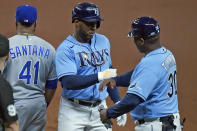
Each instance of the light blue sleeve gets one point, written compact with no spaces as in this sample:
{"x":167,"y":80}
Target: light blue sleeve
{"x":109,"y":48}
{"x":143,"y":81}
{"x":65,"y":62}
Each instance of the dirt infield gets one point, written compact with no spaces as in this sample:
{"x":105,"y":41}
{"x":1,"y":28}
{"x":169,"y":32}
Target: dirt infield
{"x":177,"y":20}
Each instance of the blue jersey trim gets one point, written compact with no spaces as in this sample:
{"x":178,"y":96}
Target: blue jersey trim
{"x":52,"y":84}
{"x":65,"y":74}
{"x":136,"y":93}
{"x":52,"y":79}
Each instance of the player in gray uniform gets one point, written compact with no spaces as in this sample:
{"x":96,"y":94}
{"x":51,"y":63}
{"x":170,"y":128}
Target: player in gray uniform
{"x":30,"y":71}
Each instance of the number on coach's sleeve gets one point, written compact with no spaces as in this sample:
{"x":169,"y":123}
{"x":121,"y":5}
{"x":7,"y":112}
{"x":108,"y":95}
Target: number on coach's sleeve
{"x":11,"y":110}
{"x":173,"y":83}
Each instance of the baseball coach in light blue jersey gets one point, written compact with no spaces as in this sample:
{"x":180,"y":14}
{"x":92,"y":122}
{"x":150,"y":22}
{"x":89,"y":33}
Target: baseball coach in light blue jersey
{"x":152,"y":88}
{"x":83,"y":60}
{"x":30,"y":71}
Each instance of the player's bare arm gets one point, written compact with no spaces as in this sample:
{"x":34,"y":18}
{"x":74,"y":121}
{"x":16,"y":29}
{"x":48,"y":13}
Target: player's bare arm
{"x":12,"y":126}
{"x":50,"y":89}
{"x":49,"y":95}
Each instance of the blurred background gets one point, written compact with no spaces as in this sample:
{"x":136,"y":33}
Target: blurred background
{"x":176,"y":18}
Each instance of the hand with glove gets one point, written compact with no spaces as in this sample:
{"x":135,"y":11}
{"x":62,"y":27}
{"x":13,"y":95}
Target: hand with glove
{"x":106,"y":74}
{"x":107,"y":122}
{"x":121,"y":120}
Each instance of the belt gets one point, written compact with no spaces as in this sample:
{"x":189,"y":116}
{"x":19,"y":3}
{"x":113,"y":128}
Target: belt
{"x":161,"y":119}
{"x":85,"y":103}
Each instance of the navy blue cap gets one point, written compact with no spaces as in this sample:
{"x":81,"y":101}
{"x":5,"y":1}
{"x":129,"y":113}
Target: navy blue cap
{"x":87,"y":12}
{"x":26,"y":14}
{"x":144,"y":27}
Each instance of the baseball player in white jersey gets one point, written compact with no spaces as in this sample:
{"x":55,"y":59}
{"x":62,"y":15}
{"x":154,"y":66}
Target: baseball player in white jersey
{"x":30,"y":71}
{"x":152,"y":94}
{"x":82,"y":61}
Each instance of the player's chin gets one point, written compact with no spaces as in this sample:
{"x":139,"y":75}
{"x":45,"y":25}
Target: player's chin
{"x":89,"y":36}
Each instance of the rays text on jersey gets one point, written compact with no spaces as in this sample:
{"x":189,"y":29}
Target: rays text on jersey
{"x":95,"y":58}
{"x":25,"y":50}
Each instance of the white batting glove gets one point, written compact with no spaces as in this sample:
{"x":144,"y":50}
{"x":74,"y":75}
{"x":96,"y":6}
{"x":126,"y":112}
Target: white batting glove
{"x":106,"y":74}
{"x":121,"y":120}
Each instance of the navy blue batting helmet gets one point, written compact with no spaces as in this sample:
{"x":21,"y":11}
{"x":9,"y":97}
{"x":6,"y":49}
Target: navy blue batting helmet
{"x":86,"y":11}
{"x":144,"y":27}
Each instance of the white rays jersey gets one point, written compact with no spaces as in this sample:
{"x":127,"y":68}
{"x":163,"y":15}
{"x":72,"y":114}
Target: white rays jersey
{"x":29,"y":66}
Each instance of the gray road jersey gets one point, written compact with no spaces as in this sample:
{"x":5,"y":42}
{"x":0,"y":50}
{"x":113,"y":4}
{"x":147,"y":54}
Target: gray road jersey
{"x":29,"y":66}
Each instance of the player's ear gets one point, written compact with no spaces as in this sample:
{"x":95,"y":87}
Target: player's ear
{"x":34,"y":26}
{"x":141,"y":41}
{"x":76,"y":22}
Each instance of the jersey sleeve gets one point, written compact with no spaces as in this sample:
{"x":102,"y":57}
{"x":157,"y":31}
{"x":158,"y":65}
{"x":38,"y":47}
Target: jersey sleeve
{"x":65,"y":62}
{"x":7,"y":107}
{"x":142,"y":82}
{"x":52,"y":72}
{"x":109,"y":49}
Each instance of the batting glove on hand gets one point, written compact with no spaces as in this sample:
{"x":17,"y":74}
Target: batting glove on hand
{"x":106,"y":74}
{"x":121,"y":120}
